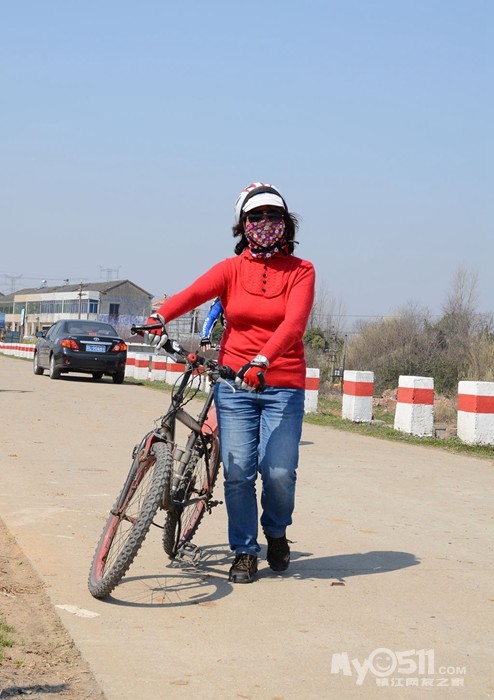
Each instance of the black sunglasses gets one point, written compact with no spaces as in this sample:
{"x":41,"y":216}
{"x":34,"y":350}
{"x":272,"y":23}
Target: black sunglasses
{"x":256,"y":216}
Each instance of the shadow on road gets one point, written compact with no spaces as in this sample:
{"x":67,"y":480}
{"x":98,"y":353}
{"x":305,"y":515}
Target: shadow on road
{"x":205,"y":581}
{"x":15,"y":691}
{"x":18,"y":391}
{"x":190,"y":582}
{"x":343,"y":566}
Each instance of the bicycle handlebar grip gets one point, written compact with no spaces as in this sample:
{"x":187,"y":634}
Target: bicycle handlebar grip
{"x":227,"y":372}
{"x":134,"y":330}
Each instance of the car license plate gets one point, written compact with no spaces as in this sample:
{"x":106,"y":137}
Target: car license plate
{"x":95,"y":348}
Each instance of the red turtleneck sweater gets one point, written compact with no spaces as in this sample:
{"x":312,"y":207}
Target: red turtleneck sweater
{"x":267,"y":303}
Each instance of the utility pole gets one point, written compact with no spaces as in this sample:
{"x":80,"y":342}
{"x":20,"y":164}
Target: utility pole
{"x":333,"y":352}
{"x":80,"y":299}
{"x":343,"y":361}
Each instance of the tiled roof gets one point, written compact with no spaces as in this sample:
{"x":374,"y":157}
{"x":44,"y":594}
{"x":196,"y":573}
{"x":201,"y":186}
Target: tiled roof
{"x":86,"y":286}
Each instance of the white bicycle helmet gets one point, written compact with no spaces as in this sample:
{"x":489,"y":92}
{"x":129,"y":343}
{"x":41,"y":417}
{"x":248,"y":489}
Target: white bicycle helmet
{"x":258,"y":194}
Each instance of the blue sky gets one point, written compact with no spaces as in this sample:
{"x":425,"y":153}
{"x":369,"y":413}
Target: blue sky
{"x":128,"y":129}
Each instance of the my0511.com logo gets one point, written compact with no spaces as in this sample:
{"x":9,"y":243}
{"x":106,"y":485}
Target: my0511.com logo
{"x":414,"y":667}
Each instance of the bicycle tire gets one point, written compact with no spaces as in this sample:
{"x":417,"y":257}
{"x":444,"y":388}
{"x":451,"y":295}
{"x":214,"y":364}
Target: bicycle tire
{"x":181,"y":523}
{"x":146,"y":489}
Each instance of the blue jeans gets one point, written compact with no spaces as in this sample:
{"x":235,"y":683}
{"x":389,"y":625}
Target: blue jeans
{"x":259,"y":433}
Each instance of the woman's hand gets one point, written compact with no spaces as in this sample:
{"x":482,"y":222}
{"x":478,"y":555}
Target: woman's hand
{"x":155,"y":319}
{"x":250,"y":377}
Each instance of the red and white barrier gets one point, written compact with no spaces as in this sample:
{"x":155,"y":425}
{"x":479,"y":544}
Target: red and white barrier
{"x":18,"y":350}
{"x":311,"y":390}
{"x":415,"y":406}
{"x":162,"y":368}
{"x":148,"y":366}
{"x":130,"y":364}
{"x":173,"y":371}
{"x":158,"y":368}
{"x":358,"y":390}
{"x":142,"y":364}
{"x":476,"y":413}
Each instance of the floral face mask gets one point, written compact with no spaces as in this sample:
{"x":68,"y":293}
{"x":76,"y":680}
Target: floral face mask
{"x":265,"y":237}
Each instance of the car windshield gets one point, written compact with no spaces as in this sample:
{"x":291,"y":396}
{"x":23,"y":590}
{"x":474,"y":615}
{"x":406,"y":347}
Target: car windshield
{"x":102,"y":329}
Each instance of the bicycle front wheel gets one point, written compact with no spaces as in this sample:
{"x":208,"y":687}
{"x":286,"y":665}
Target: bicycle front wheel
{"x":184,"y":516}
{"x":146,"y":489}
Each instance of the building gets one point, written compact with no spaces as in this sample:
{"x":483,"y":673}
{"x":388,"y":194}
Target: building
{"x":119,"y":302}
{"x":185,"y":327}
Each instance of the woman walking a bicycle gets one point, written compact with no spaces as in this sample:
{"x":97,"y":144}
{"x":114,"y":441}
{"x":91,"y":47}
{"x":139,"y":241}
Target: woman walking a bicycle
{"x":267,"y":295}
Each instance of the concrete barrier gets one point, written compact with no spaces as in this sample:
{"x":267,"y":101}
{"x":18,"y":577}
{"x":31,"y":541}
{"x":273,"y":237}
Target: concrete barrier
{"x":476,"y":413}
{"x":358,"y":390}
{"x":311,"y":389}
{"x":173,"y":371}
{"x":158,"y":368}
{"x":164,"y":369}
{"x":147,"y":366}
{"x":130,"y":364}
{"x":414,"y":412}
{"x":142,"y":364}
{"x":18,"y":350}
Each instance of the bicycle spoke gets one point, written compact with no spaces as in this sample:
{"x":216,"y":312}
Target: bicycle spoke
{"x":130,"y":519}
{"x":184,"y":517}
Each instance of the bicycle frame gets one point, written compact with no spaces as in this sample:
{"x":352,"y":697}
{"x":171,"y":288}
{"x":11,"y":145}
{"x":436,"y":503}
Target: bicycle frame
{"x":202,"y":427}
{"x":206,"y":425}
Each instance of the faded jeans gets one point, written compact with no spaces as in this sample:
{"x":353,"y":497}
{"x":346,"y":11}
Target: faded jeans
{"x":259,"y":433}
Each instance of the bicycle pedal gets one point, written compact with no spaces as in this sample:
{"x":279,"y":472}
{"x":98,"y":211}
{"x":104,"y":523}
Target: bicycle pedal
{"x":188,"y":554}
{"x":212,"y":504}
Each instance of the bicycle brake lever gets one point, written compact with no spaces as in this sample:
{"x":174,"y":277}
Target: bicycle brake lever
{"x":230,"y":386}
{"x":163,"y":339}
{"x":262,"y":382}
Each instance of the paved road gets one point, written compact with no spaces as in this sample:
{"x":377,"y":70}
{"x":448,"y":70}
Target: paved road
{"x":392,"y":553}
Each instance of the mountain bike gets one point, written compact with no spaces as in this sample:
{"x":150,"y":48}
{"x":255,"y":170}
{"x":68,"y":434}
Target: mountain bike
{"x":164,"y":475}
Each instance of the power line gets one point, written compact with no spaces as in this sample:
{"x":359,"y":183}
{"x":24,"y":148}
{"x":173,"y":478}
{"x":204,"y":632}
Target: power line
{"x":39,"y":279}
{"x":109,"y":272}
{"x":12,"y":279}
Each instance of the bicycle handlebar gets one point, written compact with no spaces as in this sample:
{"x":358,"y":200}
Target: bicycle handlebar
{"x":135,"y":330}
{"x":173,"y":347}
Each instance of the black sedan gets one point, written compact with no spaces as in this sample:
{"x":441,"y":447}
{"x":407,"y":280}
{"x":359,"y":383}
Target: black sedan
{"x":90,"y":347}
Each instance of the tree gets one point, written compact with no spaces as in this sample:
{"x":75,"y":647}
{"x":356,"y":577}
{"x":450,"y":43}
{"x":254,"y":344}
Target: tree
{"x":457,"y":331}
{"x":460,"y":345}
{"x":328,"y":313}
{"x":393,"y":346}
{"x":314,"y":338}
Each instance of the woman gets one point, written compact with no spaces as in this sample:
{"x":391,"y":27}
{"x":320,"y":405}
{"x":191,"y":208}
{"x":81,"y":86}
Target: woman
{"x":267,"y":294}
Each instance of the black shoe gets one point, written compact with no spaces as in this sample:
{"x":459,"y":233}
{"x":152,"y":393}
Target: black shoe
{"x":278,"y":555}
{"x":244,"y":569}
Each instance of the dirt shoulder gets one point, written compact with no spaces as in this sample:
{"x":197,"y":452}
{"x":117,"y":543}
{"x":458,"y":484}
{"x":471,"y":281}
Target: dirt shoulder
{"x":43,"y":659}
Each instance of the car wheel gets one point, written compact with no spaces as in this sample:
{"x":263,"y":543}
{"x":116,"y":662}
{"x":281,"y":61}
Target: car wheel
{"x":118,"y":377}
{"x":54,"y":371}
{"x":97,"y":375}
{"x":36,"y":368}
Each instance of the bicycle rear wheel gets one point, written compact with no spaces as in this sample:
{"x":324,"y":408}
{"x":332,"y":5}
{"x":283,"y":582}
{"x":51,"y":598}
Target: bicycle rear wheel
{"x":184,"y":516}
{"x":146,"y":489}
